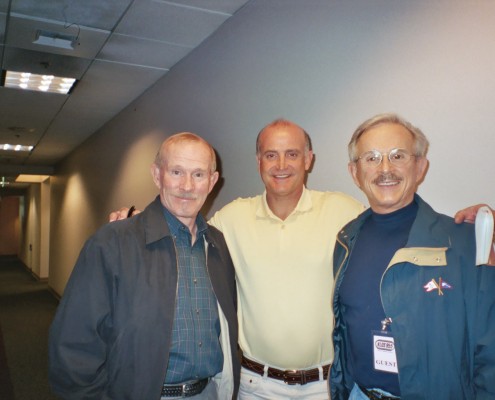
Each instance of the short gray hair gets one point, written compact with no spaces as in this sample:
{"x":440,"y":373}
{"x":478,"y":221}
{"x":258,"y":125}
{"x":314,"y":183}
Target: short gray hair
{"x":421,"y":143}
{"x":185,"y":137}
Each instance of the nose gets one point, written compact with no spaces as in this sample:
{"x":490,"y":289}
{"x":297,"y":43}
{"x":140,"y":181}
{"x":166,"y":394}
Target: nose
{"x":187,"y":183}
{"x":385,"y":164}
{"x":281,"y":162}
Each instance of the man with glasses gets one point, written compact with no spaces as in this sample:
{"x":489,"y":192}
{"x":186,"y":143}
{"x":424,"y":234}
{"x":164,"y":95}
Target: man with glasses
{"x":414,"y":316}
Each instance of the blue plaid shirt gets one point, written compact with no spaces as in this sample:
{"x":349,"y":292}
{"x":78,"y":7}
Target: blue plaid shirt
{"x":195,"y":351}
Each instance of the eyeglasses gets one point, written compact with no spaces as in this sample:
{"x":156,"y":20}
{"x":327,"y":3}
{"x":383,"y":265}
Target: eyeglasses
{"x":373,"y":158}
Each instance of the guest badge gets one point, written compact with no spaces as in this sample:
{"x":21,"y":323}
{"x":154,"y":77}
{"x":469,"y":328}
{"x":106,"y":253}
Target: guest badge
{"x":384,"y":356}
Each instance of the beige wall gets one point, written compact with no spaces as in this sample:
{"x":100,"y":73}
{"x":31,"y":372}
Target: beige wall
{"x":327,"y":65}
{"x":9,"y":225}
{"x":35,"y":229}
{"x":30,"y":250}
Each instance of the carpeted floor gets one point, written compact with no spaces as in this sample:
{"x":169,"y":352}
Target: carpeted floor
{"x":26,"y":311}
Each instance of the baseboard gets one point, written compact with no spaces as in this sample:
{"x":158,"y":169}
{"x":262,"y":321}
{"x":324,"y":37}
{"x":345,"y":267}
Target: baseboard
{"x":54,"y":293}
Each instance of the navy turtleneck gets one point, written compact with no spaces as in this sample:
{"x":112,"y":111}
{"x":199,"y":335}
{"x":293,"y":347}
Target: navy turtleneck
{"x":380,"y":237}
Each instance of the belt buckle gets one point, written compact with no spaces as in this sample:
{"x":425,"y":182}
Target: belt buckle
{"x":188,"y":389}
{"x":296,"y":374}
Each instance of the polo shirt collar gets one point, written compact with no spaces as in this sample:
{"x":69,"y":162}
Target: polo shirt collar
{"x":304,"y":204}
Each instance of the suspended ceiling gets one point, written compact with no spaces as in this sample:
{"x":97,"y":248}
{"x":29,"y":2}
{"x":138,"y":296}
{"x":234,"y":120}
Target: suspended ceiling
{"x":120,"y":48}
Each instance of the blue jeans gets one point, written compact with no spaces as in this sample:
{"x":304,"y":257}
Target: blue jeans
{"x":357,"y":394}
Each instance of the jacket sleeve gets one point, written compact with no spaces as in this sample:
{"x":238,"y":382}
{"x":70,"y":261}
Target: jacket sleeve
{"x":484,"y":357}
{"x":80,"y":331}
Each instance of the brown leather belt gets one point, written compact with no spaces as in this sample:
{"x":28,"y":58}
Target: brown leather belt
{"x":187,"y":389}
{"x":291,"y":377}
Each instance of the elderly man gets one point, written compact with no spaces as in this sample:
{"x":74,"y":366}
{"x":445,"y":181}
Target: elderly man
{"x":149,"y":311}
{"x":415,"y":318}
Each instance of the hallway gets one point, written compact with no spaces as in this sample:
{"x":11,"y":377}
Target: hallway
{"x":26,"y":311}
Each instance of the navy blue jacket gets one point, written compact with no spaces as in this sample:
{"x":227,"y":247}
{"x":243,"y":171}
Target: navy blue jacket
{"x":444,"y":339}
{"x":111,"y":335}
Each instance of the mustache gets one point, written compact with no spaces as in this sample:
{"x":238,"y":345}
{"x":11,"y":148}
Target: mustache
{"x":186,"y":195}
{"x":385,"y":177}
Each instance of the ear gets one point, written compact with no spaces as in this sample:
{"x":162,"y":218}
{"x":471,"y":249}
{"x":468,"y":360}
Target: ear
{"x":352,"y":167}
{"x":155,"y":174}
{"x":308,"y":159}
{"x":213,"y":180}
{"x":421,"y":169}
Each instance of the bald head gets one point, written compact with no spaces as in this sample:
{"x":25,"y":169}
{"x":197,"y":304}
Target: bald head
{"x":282,"y":123}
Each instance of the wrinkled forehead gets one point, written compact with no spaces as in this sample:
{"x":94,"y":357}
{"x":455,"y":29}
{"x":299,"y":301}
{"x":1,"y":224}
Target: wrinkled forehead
{"x":187,"y":154}
{"x":385,"y":137}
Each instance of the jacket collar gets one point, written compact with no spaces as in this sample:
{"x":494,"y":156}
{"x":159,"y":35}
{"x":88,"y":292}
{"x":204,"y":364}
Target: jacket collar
{"x":155,"y":224}
{"x":421,"y":248}
{"x":156,"y":227}
{"x":426,"y":221}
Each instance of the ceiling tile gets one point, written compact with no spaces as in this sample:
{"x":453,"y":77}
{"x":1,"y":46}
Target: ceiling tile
{"x":21,"y":108}
{"x":146,"y":52}
{"x":113,"y":86}
{"x":169,"y":23}
{"x":91,"y":13}
{"x":3,"y":18}
{"x":4,"y":5}
{"x":224,"y":6}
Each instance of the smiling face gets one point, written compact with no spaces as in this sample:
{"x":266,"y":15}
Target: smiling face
{"x":184,"y":177}
{"x":283,"y":159}
{"x":388,"y":187}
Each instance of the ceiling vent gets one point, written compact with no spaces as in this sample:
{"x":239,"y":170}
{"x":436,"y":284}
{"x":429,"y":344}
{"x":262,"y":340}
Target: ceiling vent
{"x":55,"y":39}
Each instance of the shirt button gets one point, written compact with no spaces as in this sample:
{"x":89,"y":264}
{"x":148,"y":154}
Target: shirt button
{"x":197,"y":311}
{"x":200,"y":344}
{"x":195,"y":281}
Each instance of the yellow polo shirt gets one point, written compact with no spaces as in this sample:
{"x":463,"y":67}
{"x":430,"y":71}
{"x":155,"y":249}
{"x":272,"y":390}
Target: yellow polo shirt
{"x":284,"y":275}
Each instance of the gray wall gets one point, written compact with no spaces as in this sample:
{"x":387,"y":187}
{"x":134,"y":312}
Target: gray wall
{"x":327,"y":65}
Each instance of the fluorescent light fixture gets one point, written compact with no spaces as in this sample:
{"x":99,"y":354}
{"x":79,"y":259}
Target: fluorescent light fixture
{"x":15,"y":147}
{"x":55,"y":39}
{"x":40,"y":83}
{"x":31,"y":178}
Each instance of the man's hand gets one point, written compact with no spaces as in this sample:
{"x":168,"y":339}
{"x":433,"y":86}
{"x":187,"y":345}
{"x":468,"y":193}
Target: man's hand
{"x":123,"y":213}
{"x":469,"y":215}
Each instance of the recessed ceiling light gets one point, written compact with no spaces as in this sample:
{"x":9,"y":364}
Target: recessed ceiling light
{"x":40,"y":83}
{"x":31,"y":178}
{"x":15,"y":147}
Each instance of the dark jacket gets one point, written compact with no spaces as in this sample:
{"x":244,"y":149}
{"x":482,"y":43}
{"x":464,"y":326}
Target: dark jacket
{"x":111,"y":335}
{"x":444,"y":340}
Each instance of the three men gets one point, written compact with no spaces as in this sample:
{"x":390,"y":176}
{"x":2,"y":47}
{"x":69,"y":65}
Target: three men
{"x":415,"y":318}
{"x":149,"y":311}
{"x":281,"y":243}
